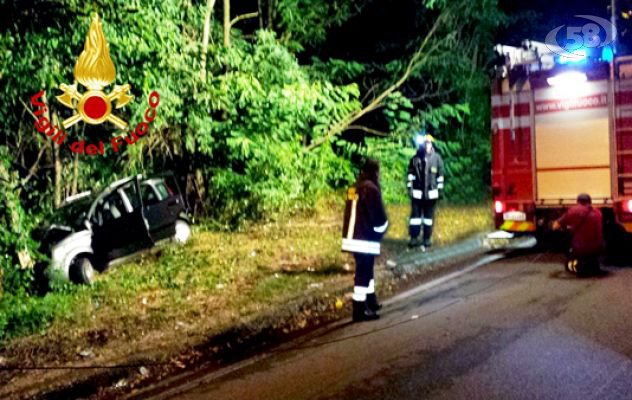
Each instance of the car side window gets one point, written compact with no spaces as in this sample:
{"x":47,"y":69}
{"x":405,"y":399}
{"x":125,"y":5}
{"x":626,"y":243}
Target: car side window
{"x":108,"y":209}
{"x":132,"y":195}
{"x":163,"y":191}
{"x":149,"y":195}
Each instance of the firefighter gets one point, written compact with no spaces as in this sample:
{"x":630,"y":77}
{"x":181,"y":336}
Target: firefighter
{"x":365,"y":223}
{"x":425,"y":181}
{"x":585,"y":225}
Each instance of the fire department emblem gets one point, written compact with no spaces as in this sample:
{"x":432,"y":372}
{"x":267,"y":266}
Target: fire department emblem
{"x":95,"y":70}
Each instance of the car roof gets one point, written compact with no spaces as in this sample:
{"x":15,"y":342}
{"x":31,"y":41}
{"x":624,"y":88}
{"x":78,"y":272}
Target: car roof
{"x":76,"y":197}
{"x":153,"y":181}
{"x":116,"y":184}
{"x":121,"y":182}
{"x":107,"y":191}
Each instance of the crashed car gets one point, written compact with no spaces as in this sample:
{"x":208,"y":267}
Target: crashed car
{"x":93,"y":232}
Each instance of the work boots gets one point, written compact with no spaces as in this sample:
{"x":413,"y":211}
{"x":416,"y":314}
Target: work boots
{"x":372,"y":303}
{"x":414,"y":243}
{"x":427,"y":236}
{"x":361,"y":312}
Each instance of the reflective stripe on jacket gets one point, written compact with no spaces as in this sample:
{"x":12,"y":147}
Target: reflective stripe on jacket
{"x":425,"y":175}
{"x":365,"y":220}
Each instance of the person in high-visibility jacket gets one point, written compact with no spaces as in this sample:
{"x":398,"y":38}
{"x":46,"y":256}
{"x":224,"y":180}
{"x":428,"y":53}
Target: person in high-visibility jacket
{"x":365,"y":223}
{"x":425,"y":182}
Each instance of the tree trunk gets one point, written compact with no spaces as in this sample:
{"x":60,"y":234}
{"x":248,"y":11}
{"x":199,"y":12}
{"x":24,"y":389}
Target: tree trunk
{"x":271,"y":13}
{"x":75,"y":175}
{"x":57,"y":180}
{"x":75,"y":167}
{"x":226,"y":23}
{"x":210,"y":4}
{"x":260,"y":11}
{"x":200,"y":191}
{"x":58,"y":167}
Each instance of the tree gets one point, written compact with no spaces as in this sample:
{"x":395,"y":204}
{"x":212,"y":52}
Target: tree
{"x":210,"y":4}
{"x":227,"y":23}
{"x":416,"y":61}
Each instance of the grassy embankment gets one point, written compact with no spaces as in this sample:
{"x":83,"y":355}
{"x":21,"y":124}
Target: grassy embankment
{"x":205,"y":286}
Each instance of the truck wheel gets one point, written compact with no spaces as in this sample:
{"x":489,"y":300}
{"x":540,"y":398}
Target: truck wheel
{"x":183,"y":231}
{"x":81,"y":271}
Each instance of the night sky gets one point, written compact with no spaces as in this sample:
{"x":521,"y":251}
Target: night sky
{"x":533,"y":19}
{"x":381,"y":31}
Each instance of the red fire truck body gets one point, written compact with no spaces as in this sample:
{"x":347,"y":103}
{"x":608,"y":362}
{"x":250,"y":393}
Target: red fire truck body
{"x":559,"y":132}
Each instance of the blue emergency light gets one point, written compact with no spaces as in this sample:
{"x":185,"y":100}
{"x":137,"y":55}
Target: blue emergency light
{"x":607,"y":54}
{"x":581,"y":58}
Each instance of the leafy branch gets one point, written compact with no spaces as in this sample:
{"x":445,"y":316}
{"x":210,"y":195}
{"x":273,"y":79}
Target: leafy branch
{"x":418,"y":59}
{"x":368,"y":130}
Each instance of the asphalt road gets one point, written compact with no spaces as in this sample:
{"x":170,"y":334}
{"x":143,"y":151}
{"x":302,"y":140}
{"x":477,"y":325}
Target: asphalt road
{"x":518,"y":328}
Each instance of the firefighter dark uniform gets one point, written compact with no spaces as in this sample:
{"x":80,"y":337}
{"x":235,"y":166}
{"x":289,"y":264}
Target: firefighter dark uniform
{"x":425,"y":181}
{"x":365,"y":223}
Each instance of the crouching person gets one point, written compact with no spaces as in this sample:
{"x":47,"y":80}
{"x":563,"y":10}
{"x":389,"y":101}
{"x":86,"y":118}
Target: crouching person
{"x":365,"y":223}
{"x":585,"y":226}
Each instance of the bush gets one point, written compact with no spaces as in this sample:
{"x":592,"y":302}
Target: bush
{"x":18,"y":252}
{"x":263,"y":114}
{"x":23,"y":315}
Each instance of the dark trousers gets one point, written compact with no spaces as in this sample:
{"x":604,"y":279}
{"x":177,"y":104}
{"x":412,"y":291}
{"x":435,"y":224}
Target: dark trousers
{"x":363,"y":276}
{"x":422,"y":213}
{"x":364,"y":269}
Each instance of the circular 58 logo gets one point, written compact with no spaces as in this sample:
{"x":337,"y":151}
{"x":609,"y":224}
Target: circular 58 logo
{"x":592,"y":35}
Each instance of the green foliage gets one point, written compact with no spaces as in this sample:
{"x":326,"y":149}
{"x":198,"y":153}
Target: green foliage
{"x":21,"y":315}
{"x":307,"y":22}
{"x":18,"y":252}
{"x":393,"y":156}
{"x":448,"y":95}
{"x":338,"y":71}
{"x":243,"y":120}
{"x":464,"y":173}
{"x":262,"y":114}
{"x":463,"y":183}
{"x":398,"y":113}
{"x":465,"y":166}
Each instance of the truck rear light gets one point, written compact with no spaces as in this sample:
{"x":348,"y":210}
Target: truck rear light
{"x":499,"y":206}
{"x":627,"y":206}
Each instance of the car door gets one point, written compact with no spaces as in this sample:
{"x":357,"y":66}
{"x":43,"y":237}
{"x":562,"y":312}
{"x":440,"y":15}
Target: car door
{"x":163,"y":204}
{"x":118,"y":225}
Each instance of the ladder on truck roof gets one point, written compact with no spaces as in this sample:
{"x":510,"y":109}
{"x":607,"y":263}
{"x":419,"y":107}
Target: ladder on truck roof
{"x":623,"y":125}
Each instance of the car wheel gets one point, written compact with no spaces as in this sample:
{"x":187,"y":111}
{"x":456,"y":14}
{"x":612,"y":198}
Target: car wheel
{"x":183,"y":231}
{"x":82,"y":271}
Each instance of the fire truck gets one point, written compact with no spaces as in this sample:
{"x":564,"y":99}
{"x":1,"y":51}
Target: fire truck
{"x":560,"y":127}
